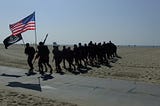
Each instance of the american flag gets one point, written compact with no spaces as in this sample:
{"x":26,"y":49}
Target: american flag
{"x":28,"y":23}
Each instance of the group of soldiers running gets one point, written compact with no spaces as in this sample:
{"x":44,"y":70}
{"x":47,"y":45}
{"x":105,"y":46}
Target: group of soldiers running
{"x":78,"y":57}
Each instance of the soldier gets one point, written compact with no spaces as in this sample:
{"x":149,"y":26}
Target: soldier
{"x":82,"y":55}
{"x":70,"y":58}
{"x":57,"y":58}
{"x":64,"y":52}
{"x":104,"y":53}
{"x":85,"y":53}
{"x":43,"y":54}
{"x":76,"y":55}
{"x":91,"y":53}
{"x":30,"y":51}
{"x":113,"y":49}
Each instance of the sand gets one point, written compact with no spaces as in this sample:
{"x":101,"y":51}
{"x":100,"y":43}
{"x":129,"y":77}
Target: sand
{"x":12,"y":98}
{"x":136,"y":64}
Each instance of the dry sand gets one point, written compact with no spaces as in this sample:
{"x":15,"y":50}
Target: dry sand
{"x":137,"y":63}
{"x":12,"y":98}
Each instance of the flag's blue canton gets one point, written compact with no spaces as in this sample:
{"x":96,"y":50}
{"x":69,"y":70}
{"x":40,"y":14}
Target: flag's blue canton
{"x":29,"y":18}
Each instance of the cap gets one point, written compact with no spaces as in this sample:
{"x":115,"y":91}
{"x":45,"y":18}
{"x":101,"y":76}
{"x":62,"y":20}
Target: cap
{"x":55,"y":44}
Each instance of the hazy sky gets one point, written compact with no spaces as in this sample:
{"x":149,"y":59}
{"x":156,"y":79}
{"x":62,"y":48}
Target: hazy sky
{"x":72,"y":21}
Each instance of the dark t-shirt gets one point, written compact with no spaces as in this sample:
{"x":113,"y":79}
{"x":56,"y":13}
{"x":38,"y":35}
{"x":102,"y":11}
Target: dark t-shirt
{"x":30,"y":51}
{"x":43,"y":51}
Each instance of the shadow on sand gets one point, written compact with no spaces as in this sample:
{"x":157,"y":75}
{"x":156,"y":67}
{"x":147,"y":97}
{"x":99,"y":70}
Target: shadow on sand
{"x":83,"y":69}
{"x":47,"y":77}
{"x":36,"y":87}
{"x":9,"y":75}
{"x":30,"y":73}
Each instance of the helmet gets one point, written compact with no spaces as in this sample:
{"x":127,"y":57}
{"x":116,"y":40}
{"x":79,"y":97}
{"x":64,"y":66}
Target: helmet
{"x":55,"y":44}
{"x":27,"y":44}
{"x":40,"y":43}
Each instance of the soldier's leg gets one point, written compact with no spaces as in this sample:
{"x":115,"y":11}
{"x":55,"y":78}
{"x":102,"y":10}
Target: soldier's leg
{"x":64,"y":65}
{"x":49,"y":67}
{"x":40,"y":67}
{"x":70,"y":67}
{"x":46,"y":69}
{"x":56,"y":65}
{"x":29,"y":60}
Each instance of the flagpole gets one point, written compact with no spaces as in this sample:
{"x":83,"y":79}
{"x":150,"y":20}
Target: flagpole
{"x":35,"y":34}
{"x":35,"y":38}
{"x":23,"y":41}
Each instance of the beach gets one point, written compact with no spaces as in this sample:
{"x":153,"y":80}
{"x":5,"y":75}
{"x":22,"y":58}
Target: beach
{"x":135,"y":64}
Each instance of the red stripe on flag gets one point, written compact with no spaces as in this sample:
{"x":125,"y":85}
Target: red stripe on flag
{"x":20,"y":27}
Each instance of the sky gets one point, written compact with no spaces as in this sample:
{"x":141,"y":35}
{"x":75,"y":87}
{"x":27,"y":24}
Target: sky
{"x":124,"y":22}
